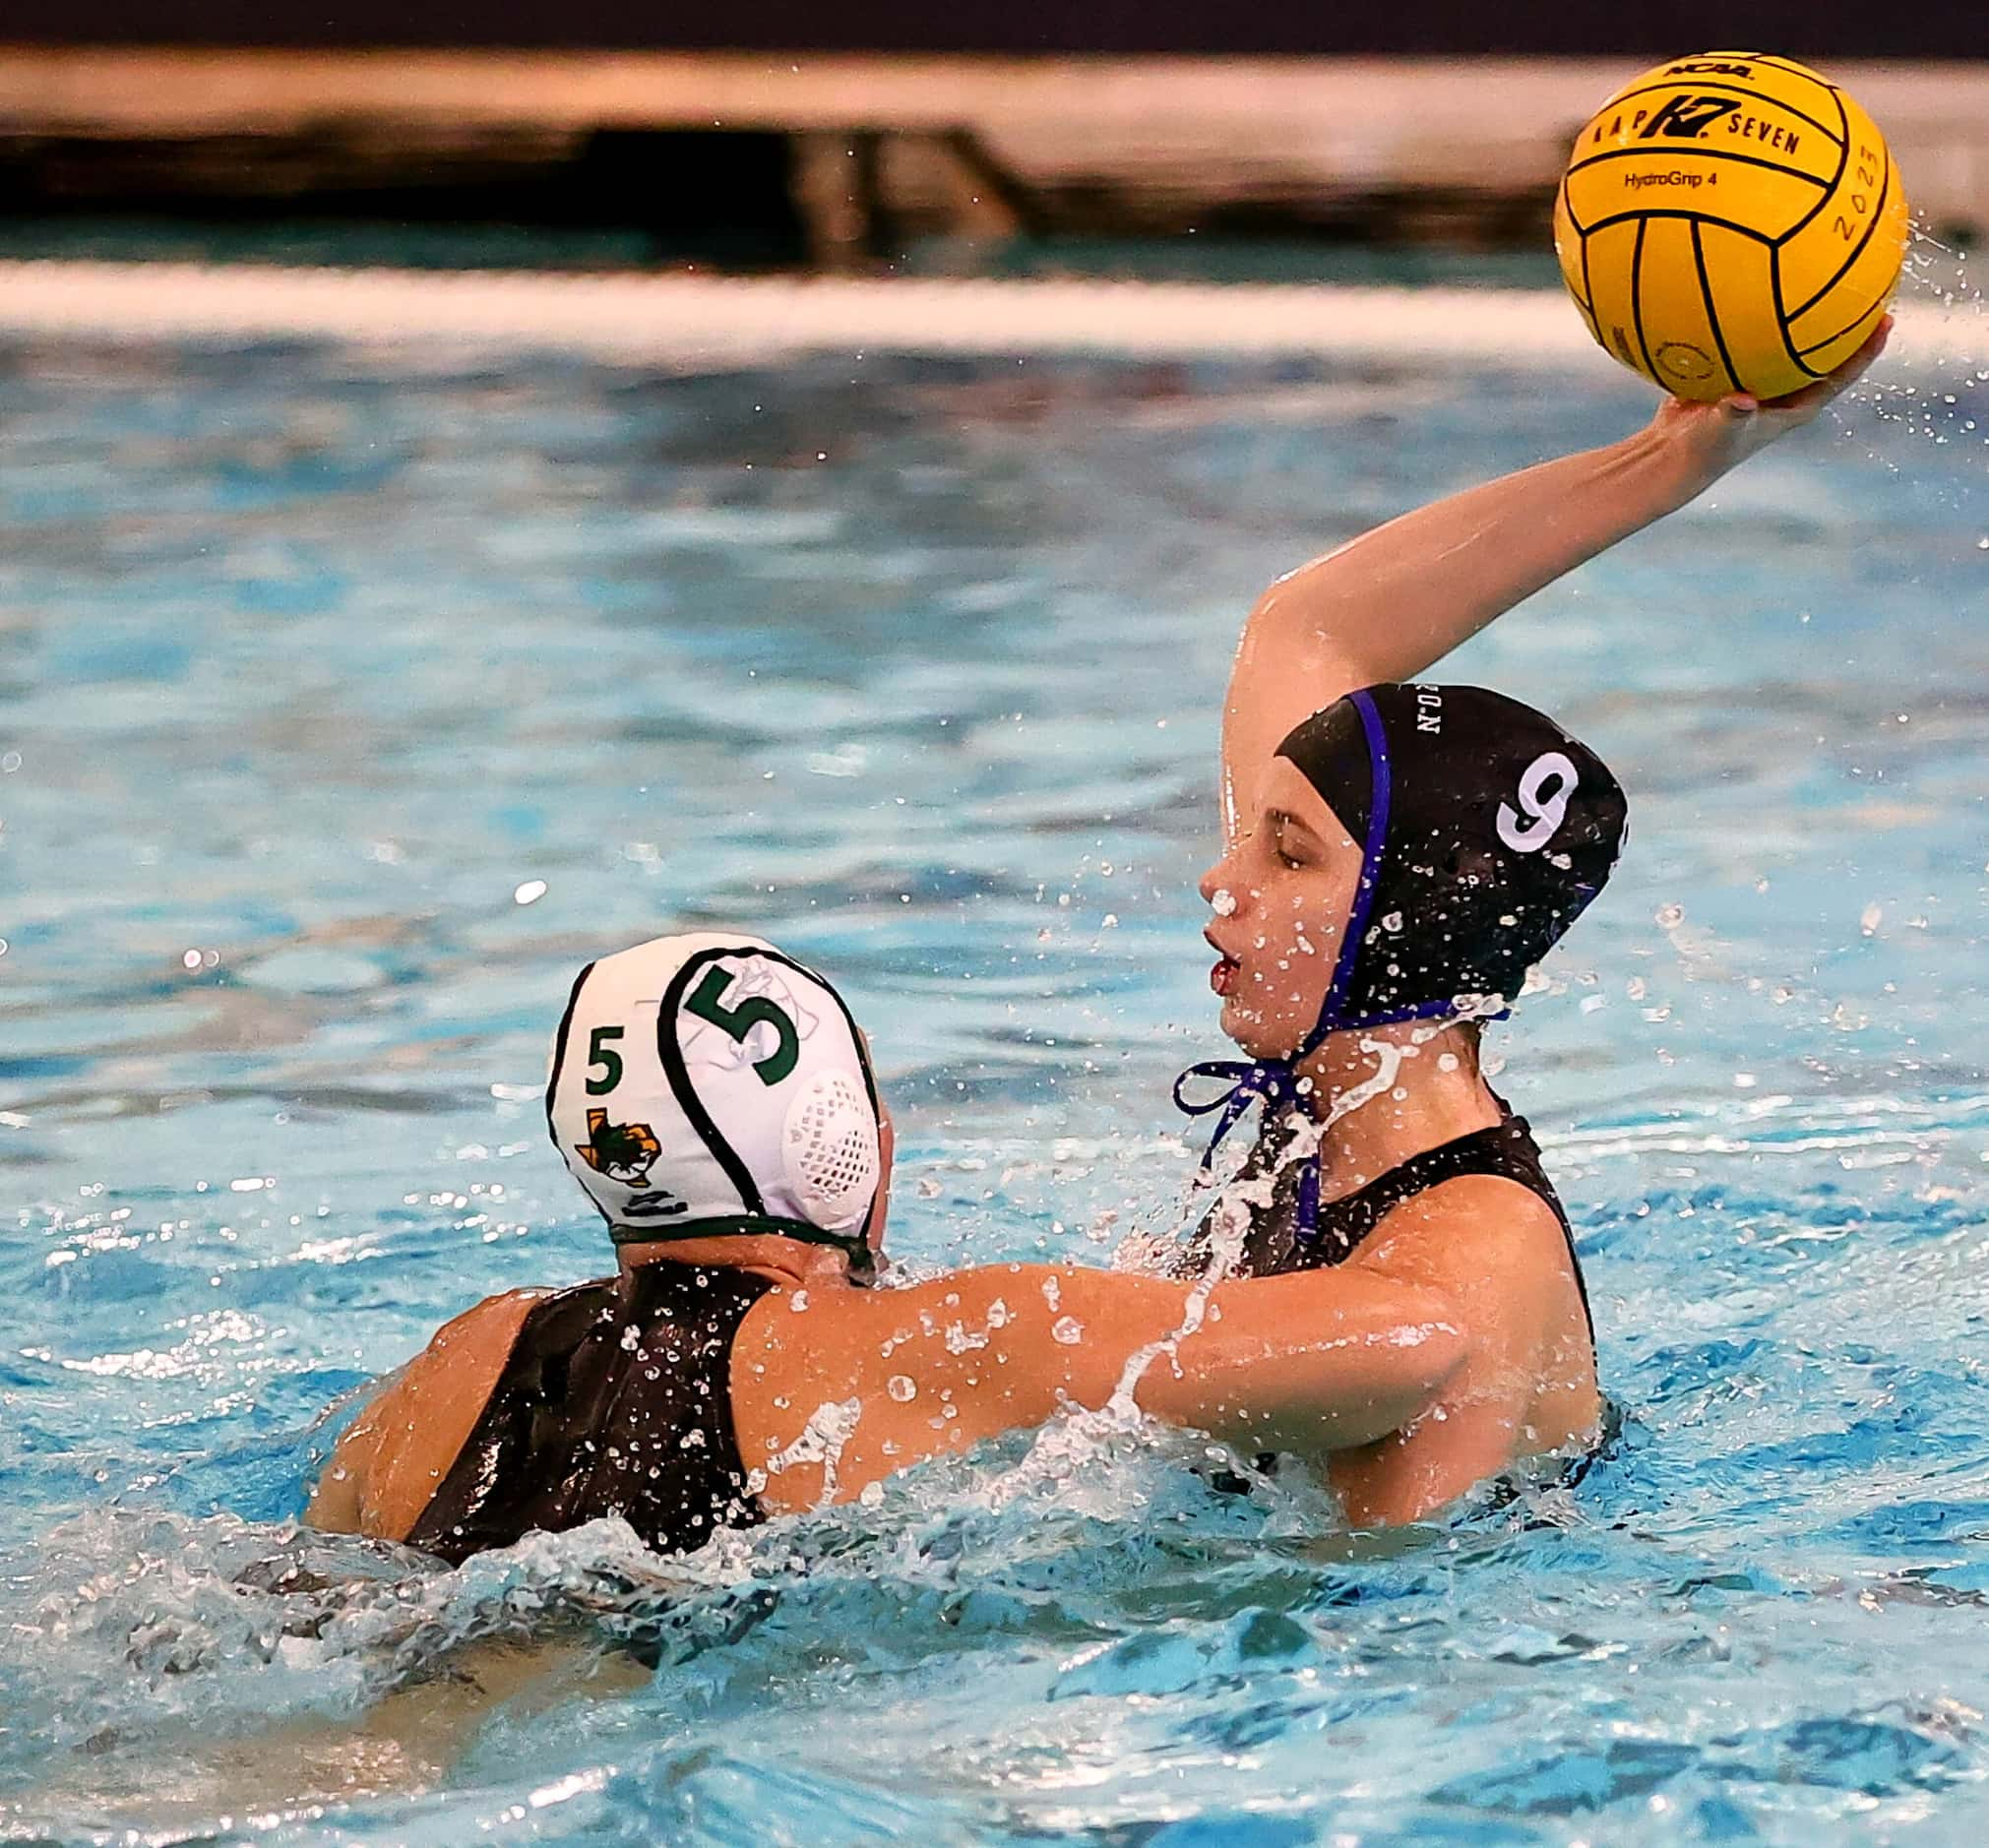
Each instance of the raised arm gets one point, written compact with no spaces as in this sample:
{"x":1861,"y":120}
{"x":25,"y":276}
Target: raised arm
{"x":1387,"y":605}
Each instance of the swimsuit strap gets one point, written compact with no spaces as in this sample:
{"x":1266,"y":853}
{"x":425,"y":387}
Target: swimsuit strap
{"x":1506,"y":1150}
{"x":1280,"y":1240}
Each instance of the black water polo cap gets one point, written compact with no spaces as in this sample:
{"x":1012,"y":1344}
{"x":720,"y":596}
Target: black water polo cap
{"x":1485,"y":831}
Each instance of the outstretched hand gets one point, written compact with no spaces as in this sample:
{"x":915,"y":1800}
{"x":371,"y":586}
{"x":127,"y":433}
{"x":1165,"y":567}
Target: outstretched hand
{"x":1717,"y":437}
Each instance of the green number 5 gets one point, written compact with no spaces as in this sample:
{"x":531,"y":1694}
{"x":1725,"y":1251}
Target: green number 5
{"x":709,"y":1003}
{"x":600,"y":1053}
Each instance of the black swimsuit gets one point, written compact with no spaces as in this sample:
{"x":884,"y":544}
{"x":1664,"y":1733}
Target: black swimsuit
{"x":1273,"y":1246}
{"x":615,"y":1400}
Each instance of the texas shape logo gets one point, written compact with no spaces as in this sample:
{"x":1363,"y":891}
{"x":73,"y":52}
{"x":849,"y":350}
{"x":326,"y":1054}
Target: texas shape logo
{"x":623,"y":1151}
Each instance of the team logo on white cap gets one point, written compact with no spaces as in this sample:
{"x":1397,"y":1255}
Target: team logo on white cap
{"x":623,"y":1151}
{"x":709,"y":1078}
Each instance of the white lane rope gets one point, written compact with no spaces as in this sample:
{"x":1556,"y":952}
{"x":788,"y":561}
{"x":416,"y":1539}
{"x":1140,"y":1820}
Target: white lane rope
{"x":700,"y":321}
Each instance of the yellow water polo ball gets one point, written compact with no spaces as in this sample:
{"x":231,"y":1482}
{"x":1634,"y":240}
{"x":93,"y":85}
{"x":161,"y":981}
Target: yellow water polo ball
{"x":1730,"y":223}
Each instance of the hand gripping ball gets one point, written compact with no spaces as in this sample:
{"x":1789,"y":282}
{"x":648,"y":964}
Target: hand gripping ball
{"x":1732,"y":222}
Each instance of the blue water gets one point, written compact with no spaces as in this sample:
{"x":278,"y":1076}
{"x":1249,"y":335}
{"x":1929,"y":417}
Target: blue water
{"x":313,"y":667}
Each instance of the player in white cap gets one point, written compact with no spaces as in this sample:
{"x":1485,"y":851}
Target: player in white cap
{"x":709,"y":1079}
{"x":715,"y":1100}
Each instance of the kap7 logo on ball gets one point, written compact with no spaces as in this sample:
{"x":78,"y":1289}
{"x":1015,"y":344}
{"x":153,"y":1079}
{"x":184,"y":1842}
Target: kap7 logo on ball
{"x":1686,"y":118}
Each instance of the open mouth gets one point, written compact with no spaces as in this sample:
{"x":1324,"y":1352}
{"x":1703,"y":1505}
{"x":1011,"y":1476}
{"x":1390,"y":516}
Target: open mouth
{"x":1222,"y":977}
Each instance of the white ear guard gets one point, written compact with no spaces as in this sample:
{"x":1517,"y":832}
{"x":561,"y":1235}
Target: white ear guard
{"x":830,"y":1150}
{"x":707,"y":1084}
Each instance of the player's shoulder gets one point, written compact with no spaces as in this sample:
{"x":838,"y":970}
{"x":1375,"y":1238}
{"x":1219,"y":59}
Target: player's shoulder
{"x":495,"y":1315}
{"x":480,"y":1334}
{"x":1468,"y":1229}
{"x":469,"y":1350}
{"x":407,"y":1437}
{"x":1488,"y":1239}
{"x":419,"y":1425}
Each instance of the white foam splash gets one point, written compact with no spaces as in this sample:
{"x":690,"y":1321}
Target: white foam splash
{"x":822,"y":1440}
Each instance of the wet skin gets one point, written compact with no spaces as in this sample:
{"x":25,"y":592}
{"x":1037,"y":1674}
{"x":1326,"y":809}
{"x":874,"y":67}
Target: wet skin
{"x":889,"y":1378}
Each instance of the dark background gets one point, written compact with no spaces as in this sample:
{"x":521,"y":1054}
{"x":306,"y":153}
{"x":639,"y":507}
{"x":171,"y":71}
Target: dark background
{"x":1902,"y":29}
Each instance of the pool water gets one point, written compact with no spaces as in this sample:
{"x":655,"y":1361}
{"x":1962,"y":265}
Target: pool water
{"x":347,"y":704}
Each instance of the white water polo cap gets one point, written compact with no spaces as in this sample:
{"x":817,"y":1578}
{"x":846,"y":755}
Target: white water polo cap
{"x":707,"y":1084}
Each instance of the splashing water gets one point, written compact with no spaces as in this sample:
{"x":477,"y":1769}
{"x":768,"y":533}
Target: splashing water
{"x":822,"y":1440}
{"x":1935,"y":392}
{"x":1228,"y":1222}
{"x":1756,"y":1612}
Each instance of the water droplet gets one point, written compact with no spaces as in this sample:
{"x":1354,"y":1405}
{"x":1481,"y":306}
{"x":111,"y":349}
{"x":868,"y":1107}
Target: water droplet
{"x":530,"y":893}
{"x":1067,"y":1329}
{"x":1223,"y":904}
{"x":1670,"y":917}
{"x":901,"y":1388}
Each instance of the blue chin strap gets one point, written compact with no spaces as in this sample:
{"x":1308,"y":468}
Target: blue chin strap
{"x":1276,"y":1080}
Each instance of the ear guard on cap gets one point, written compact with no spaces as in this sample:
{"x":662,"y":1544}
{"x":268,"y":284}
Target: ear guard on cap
{"x":707,"y":1084}
{"x":828,"y":1151}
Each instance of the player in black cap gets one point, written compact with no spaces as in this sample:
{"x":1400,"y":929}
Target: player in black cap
{"x":1484,"y":830}
{"x":1397,"y":856}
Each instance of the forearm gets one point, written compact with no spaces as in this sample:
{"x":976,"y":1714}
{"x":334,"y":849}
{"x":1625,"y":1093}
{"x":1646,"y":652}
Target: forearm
{"x":1311,"y":1363}
{"x":1392,"y":601}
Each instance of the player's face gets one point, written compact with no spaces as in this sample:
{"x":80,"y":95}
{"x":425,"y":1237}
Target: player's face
{"x":1281,"y":896}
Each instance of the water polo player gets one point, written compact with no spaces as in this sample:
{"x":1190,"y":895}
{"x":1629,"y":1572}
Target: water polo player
{"x":717,"y":1102}
{"x":1396,"y":857}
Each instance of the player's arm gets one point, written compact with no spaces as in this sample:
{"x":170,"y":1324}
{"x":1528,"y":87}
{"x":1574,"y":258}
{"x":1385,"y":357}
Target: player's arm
{"x":1312,"y":1363}
{"x":395,"y":1454}
{"x":1387,"y":605}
